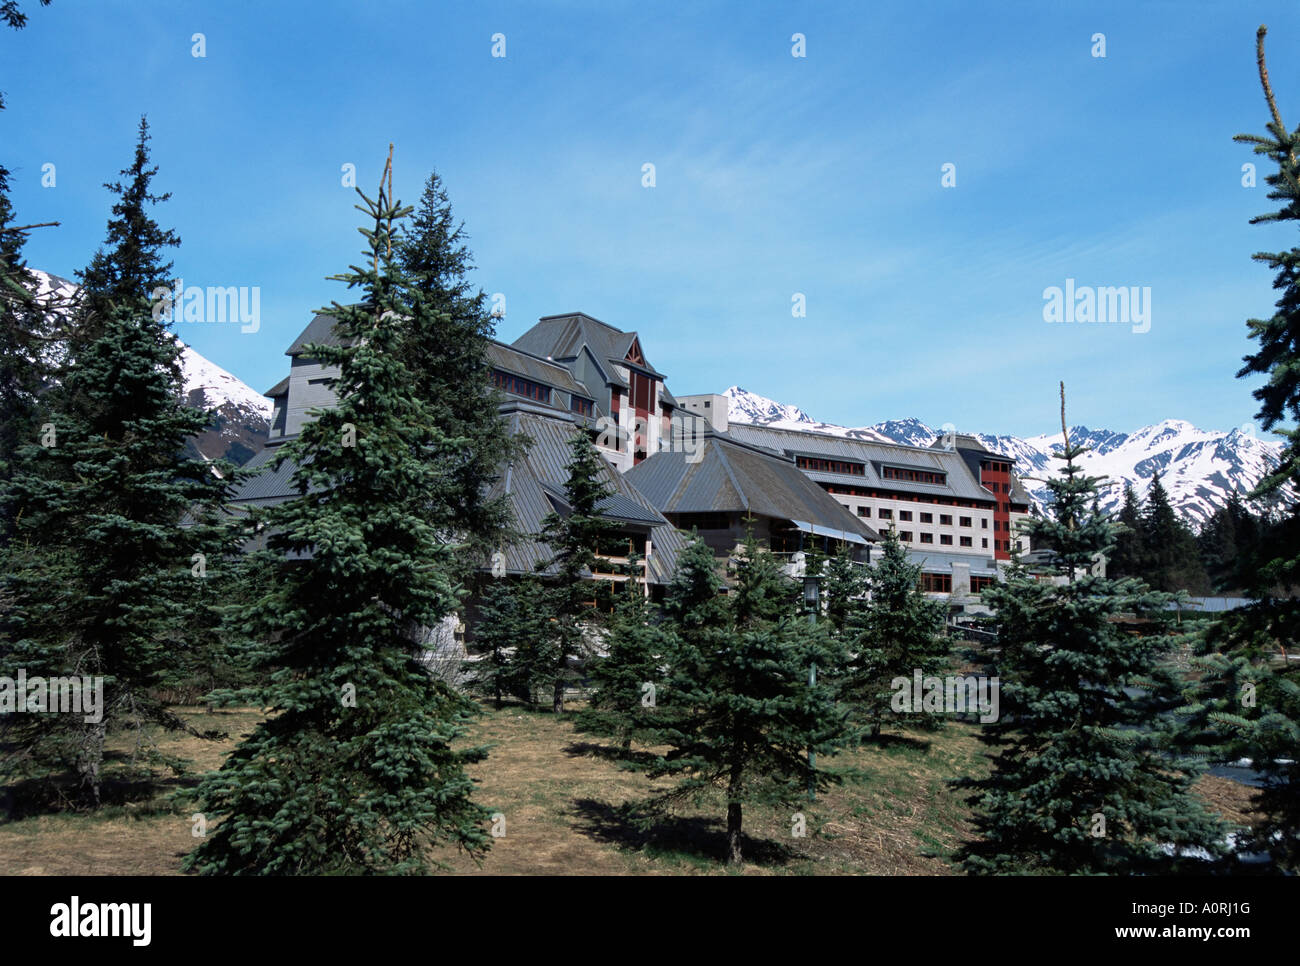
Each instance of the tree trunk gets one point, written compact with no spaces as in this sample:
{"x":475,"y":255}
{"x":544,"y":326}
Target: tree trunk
{"x":733,"y":817}
{"x":557,"y":701}
{"x":89,"y":759}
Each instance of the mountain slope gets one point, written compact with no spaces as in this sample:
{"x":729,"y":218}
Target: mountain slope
{"x":1199,"y":468}
{"x":243,"y":416}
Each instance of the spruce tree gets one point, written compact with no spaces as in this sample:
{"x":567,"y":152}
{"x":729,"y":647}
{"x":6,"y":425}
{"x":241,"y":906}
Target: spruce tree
{"x":1083,"y":779}
{"x":576,"y":537}
{"x":844,"y":592}
{"x":741,"y":715}
{"x":445,"y":349}
{"x":1248,"y":704}
{"x":628,"y":681}
{"x":510,"y":625}
{"x":1129,"y":556}
{"x":114,"y":526}
{"x":899,"y":632}
{"x":1172,"y":559}
{"x":355,"y":770}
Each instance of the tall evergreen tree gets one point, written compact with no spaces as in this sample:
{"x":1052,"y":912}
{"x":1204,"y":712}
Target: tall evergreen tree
{"x":1249,"y":701}
{"x":1083,"y":778}
{"x":445,"y":349}
{"x":1172,"y":559}
{"x":355,"y":770}
{"x":512,"y":637}
{"x":899,"y":632}
{"x":629,"y":680}
{"x":1129,"y":556}
{"x":576,"y":537}
{"x":113,"y":524}
{"x":741,"y":714}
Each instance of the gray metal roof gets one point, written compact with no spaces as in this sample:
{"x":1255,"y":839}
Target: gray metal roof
{"x":728,"y":476}
{"x":543,"y":471}
{"x":539,"y":370}
{"x":269,"y":486}
{"x":320,"y":330}
{"x":563,"y":337}
{"x":959,"y":481}
{"x":934,"y":561}
{"x":279,"y":389}
{"x":544,"y":468}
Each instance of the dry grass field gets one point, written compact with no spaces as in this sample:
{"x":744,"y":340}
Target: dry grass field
{"x":560,"y":794}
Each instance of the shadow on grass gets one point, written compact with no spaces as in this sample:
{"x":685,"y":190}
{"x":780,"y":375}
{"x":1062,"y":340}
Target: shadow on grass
{"x":138,"y":791}
{"x":611,"y":753}
{"x":888,"y":742}
{"x":702,"y":841}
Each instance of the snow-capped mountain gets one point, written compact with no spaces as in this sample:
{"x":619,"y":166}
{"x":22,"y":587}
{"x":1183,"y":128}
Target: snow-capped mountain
{"x":243,"y":415}
{"x":1199,"y":468}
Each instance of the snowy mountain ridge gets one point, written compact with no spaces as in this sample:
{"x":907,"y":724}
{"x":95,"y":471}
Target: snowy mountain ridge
{"x":243,"y":415}
{"x":1199,"y":468}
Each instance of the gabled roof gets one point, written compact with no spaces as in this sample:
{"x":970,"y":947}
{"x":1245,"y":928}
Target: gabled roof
{"x":535,"y":368}
{"x":959,"y":482}
{"x":279,"y":389}
{"x":320,"y":330}
{"x":729,"y":476}
{"x":535,"y":486}
{"x":563,"y":337}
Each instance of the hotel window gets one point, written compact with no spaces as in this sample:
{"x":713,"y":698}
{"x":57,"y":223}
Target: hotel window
{"x":905,"y":536}
{"x":830,"y":466}
{"x":945,"y":540}
{"x":905,"y":514}
{"x":936,"y":583}
{"x":978,"y":583}
{"x":964,"y":521}
{"x":912,"y":476}
{"x":581,"y":406}
{"x":927,"y":518}
{"x":885,"y":513}
{"x":927,"y":538}
{"x":966,"y":542}
{"x":945,"y":519}
{"x":519,"y":386}
{"x":864,"y":511}
{"x":984,"y":542}
{"x":984,"y":522}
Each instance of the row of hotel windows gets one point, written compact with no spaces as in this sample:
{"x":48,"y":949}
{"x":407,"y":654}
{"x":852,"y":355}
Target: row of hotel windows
{"x":830,"y":466}
{"x":846,"y":468}
{"x":945,"y":519}
{"x":843,"y":489}
{"x":944,"y":539}
{"x":913,"y":476}
{"x":519,"y":386}
{"x":942,"y":583}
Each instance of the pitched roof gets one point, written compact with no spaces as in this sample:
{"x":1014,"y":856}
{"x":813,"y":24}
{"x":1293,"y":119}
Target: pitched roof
{"x":535,"y":368}
{"x":563,"y":337}
{"x":958,"y":479}
{"x":728,"y":476}
{"x":320,"y":330}
{"x":535,"y":486}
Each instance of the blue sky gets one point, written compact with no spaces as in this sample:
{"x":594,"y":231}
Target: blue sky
{"x":775,"y":175}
